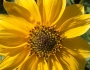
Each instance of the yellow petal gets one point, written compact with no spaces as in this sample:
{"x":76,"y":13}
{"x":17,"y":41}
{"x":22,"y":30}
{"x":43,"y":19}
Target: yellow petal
{"x":76,"y":31}
{"x":46,"y":67}
{"x":42,"y":11}
{"x":51,"y":9}
{"x":40,"y":64}
{"x":11,"y":62}
{"x":43,"y":65}
{"x":58,"y":57}
{"x":10,"y":39}
{"x":69,"y":61}
{"x":27,"y":65}
{"x":75,"y":26}
{"x":78,"y":45}
{"x":17,"y":10}
{"x":35,"y":64}
{"x":32,"y":7}
{"x":14,"y":31}
{"x":56,"y":65}
{"x":18,"y":24}
{"x":70,"y":11}
{"x":4,"y":50}
{"x":50,"y":64}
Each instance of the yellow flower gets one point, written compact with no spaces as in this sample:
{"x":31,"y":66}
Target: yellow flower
{"x":43,"y":35}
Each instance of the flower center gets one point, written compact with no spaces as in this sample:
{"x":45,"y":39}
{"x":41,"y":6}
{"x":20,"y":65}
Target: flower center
{"x":44,"y":41}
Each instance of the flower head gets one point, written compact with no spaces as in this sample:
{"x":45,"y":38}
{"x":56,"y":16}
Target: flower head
{"x":43,"y":35}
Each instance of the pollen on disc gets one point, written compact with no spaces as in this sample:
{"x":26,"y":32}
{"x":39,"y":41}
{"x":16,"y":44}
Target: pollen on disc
{"x":44,"y":40}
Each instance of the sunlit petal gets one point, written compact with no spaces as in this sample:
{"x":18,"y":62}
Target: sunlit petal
{"x":70,"y":11}
{"x":70,"y":61}
{"x":51,"y":10}
{"x":17,"y":10}
{"x":19,"y":25}
{"x":75,"y":26}
{"x":28,"y":63}
{"x":32,"y":7}
{"x":11,"y":61}
{"x":4,"y":50}
{"x":78,"y":45}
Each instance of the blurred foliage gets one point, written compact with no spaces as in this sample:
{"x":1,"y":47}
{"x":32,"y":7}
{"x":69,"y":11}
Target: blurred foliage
{"x":1,"y":7}
{"x":85,"y":36}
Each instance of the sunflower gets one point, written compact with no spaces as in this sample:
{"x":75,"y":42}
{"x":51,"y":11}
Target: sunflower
{"x":43,"y":35}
